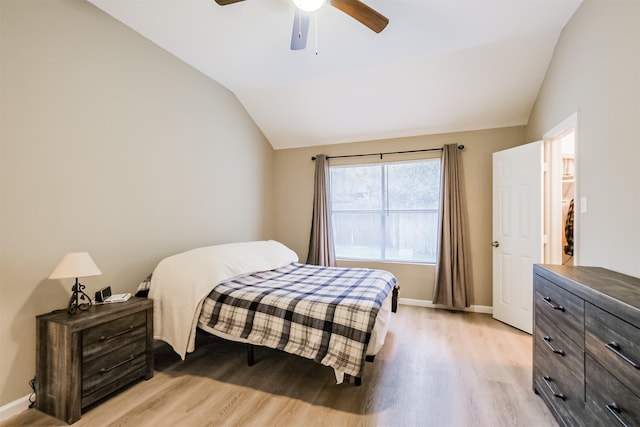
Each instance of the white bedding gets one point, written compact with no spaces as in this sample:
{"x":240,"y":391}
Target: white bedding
{"x":180,"y":283}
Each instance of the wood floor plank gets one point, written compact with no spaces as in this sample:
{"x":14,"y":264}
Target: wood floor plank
{"x":437,"y":368}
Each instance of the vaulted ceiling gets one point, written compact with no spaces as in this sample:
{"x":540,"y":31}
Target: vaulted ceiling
{"x":439,"y":66}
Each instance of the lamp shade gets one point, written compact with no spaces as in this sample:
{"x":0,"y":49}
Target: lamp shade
{"x":75,"y":264}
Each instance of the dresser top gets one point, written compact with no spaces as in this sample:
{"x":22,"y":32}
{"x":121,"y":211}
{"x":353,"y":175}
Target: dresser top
{"x":610,"y":290}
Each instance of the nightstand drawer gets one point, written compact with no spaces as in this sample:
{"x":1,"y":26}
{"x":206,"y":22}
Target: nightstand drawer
{"x":109,"y":334}
{"x":109,"y":368}
{"x":560,"y":307}
{"x":608,"y":400}
{"x":615,"y":344}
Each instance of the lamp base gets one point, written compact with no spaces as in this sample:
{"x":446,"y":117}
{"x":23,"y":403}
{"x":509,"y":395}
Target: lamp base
{"x":77,"y":295}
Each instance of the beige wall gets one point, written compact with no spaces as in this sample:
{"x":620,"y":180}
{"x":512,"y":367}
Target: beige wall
{"x":294,"y":196}
{"x":110,"y":145}
{"x":595,"y":71}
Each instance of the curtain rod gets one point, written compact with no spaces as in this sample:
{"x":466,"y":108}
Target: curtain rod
{"x":460,"y":147}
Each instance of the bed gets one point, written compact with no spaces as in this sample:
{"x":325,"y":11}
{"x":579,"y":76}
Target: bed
{"x":258,"y":293}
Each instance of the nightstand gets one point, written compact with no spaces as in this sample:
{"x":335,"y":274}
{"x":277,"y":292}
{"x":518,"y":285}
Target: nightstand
{"x":84,"y":357}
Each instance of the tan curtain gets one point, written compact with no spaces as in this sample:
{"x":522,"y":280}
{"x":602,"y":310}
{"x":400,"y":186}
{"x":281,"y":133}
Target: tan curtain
{"x":321,"y":250}
{"x":452,"y":287}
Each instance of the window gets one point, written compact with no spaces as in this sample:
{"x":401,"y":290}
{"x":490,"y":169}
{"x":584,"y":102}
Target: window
{"x":386,"y":211}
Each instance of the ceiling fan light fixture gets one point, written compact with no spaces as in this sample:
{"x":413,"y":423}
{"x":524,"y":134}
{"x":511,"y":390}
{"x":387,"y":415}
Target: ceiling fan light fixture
{"x":309,"y":5}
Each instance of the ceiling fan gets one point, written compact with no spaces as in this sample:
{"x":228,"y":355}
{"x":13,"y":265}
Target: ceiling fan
{"x":354,"y":8}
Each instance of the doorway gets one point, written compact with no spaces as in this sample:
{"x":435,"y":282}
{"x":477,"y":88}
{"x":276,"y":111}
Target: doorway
{"x":560,"y":194}
{"x":533,"y":217}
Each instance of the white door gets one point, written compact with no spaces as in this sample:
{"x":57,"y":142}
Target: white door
{"x":517,"y":232}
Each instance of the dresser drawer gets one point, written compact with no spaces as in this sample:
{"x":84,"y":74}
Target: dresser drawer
{"x":608,"y":400}
{"x":559,"y":307}
{"x":551,"y":343}
{"x":560,"y":379}
{"x":615,"y":344}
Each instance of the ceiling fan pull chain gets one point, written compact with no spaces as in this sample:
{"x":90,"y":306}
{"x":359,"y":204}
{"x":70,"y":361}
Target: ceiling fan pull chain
{"x":317,"y":32}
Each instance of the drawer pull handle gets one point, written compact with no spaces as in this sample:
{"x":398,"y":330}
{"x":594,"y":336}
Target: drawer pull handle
{"x":117,"y":365}
{"x":615,"y":347}
{"x":615,"y":411}
{"x":110,"y":337}
{"x":547,"y":341}
{"x":552,"y":305}
{"x":547,"y":381}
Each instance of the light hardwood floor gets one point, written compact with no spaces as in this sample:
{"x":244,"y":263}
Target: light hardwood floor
{"x":437,"y":368}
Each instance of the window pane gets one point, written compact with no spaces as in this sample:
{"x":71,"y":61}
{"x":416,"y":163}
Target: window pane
{"x":411,"y":236}
{"x":356,"y":187}
{"x":414,"y":185}
{"x":357,"y":235}
{"x":386,"y":211}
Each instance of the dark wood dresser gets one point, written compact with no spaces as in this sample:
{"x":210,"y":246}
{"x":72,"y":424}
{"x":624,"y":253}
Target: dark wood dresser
{"x":84,"y":357}
{"x":586,"y":350}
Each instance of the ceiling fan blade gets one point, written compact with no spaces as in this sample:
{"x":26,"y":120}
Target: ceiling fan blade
{"x":361,"y":12}
{"x":300,"y":30}
{"x":226,"y":2}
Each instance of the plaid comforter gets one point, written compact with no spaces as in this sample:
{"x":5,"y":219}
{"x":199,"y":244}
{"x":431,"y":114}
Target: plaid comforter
{"x":321,"y":313}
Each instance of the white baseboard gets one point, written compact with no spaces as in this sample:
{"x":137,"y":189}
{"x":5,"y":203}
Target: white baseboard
{"x":429,"y":304}
{"x":14,"y":408}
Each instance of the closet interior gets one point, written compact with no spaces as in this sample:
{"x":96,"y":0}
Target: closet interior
{"x":568,"y":196}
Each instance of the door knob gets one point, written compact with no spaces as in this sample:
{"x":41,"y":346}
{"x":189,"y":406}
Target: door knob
{"x":495,"y":243}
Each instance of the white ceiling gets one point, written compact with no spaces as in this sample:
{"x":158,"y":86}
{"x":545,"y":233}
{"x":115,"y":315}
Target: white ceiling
{"x":439,"y":66}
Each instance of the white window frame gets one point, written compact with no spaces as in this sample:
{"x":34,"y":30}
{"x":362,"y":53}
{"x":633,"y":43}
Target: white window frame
{"x":384,"y":211}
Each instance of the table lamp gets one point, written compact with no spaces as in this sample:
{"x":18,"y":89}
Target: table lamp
{"x":76,"y":264}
